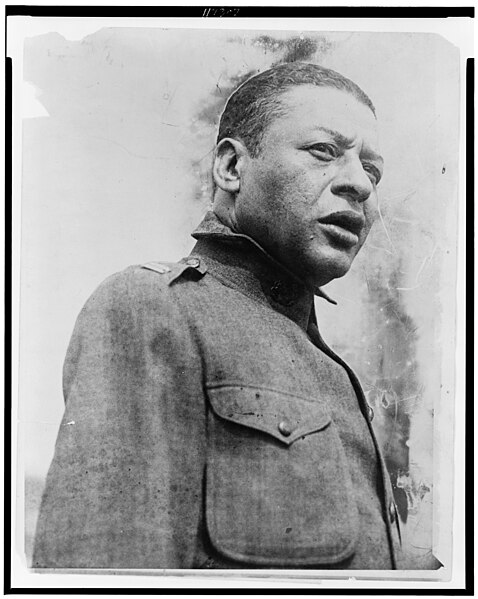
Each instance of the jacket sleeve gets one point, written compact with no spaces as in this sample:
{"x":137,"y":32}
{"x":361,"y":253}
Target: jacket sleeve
{"x":124,"y":487}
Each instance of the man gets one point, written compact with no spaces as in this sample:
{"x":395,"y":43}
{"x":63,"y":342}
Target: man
{"x":207,"y":424}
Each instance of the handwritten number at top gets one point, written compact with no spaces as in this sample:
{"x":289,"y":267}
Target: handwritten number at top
{"x":220,"y":12}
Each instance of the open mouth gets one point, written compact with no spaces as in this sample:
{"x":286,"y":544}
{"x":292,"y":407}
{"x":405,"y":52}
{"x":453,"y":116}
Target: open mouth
{"x":343,"y":227}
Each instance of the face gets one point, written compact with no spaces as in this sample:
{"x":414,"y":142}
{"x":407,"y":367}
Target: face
{"x":309,"y":197}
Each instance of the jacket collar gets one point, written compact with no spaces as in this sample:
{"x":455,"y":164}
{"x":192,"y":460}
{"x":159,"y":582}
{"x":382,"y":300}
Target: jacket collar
{"x":239,"y":261}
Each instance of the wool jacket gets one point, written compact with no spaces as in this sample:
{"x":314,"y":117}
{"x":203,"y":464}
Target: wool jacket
{"x":208,"y":425}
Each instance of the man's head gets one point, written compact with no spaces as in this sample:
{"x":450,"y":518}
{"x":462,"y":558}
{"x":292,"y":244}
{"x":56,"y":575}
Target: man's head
{"x":296,"y":168}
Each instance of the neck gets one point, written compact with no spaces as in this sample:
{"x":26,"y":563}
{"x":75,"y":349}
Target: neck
{"x":242,"y":264}
{"x":223,"y":208}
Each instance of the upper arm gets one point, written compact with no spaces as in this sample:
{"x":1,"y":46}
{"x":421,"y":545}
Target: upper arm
{"x":126,"y":387}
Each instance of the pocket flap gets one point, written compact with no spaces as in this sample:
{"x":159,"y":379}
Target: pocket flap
{"x":278,"y":490}
{"x":284,"y":416}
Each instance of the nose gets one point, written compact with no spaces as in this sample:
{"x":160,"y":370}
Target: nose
{"x":352,"y":182}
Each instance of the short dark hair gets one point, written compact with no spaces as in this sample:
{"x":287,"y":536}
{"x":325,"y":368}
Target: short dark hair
{"x":256,"y":103}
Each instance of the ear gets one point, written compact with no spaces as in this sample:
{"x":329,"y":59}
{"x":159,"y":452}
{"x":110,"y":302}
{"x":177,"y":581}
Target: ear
{"x":229,"y":161}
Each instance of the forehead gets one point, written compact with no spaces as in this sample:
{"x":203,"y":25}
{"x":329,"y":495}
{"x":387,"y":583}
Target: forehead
{"x":309,"y":107}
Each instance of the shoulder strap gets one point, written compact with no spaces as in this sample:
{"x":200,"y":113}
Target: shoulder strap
{"x":171,"y":271}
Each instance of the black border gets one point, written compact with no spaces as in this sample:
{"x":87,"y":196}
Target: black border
{"x":470,"y":319}
{"x":250,"y":12}
{"x":7,"y":510}
{"x":289,"y":12}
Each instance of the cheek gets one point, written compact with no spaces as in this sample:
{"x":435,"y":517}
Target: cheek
{"x":286,"y":175}
{"x":371,"y":210}
{"x":296,"y":192}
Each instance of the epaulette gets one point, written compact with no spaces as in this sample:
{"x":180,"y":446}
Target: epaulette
{"x":171,"y":271}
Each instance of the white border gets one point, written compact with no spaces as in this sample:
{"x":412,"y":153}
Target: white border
{"x":458,"y":31}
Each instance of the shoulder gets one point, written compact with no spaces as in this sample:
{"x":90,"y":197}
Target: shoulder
{"x":152,"y":285}
{"x":137,"y":308}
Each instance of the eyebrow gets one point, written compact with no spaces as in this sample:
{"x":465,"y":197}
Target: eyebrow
{"x":347,"y":142}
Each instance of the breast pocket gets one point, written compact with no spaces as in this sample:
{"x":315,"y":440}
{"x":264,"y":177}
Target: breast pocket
{"x":278,"y":490}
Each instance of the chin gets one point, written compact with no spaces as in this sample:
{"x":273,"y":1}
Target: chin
{"x":329,"y":268}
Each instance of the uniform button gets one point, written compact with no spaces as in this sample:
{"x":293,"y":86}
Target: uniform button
{"x":285,"y":428}
{"x":194,"y":262}
{"x":392,"y":511}
{"x":284,"y":293}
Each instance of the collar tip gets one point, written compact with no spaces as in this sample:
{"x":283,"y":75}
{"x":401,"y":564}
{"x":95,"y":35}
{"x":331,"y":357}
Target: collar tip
{"x":323,"y":295}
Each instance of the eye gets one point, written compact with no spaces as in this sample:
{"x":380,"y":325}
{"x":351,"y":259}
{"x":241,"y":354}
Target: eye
{"x":324,"y":151}
{"x":373,"y":172}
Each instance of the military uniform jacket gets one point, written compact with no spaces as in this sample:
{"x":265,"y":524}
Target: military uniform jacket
{"x":207,"y":424}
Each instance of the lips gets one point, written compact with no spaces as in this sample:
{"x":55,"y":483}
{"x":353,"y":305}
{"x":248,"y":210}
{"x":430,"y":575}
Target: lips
{"x":343,"y":227}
